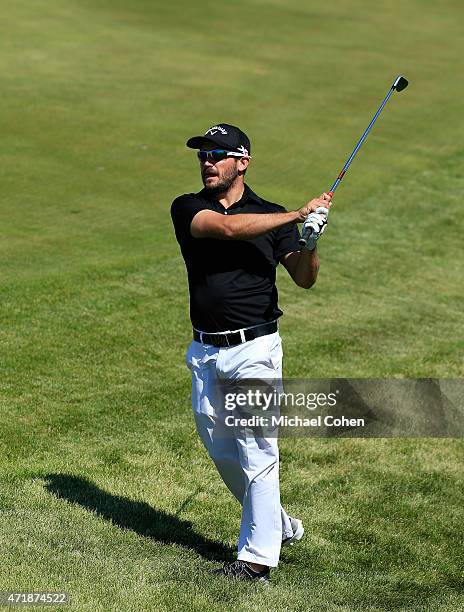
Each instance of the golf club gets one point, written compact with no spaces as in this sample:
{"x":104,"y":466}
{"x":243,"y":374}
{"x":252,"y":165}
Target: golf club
{"x":399,"y":84}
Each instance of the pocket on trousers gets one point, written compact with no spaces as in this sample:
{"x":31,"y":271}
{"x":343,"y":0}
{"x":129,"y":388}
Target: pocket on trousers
{"x":275,"y":350}
{"x":198,"y":358}
{"x":188,"y":356}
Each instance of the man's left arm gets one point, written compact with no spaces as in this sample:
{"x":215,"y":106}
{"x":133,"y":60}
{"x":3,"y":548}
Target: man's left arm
{"x":302,"y":263}
{"x":302,"y":266}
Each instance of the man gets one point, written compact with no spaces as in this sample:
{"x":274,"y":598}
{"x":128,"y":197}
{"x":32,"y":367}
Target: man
{"x":231,"y":241}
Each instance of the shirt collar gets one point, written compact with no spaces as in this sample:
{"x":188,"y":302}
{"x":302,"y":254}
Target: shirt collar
{"x":251,"y":195}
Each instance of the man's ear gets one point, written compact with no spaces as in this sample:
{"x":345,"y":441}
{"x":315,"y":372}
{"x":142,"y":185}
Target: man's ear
{"x":242,"y":164}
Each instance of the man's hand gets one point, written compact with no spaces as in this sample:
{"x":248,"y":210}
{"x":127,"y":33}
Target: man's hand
{"x":316,"y":222}
{"x":314,"y":216}
{"x":322,"y":201}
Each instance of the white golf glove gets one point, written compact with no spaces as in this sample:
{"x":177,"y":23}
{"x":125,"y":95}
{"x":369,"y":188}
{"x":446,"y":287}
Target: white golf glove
{"x":316,"y":223}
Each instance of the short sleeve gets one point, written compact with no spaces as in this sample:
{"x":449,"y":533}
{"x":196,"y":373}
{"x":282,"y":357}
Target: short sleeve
{"x":183,"y":209}
{"x":286,"y":241}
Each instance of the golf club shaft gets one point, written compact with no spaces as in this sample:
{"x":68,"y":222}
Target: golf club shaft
{"x":337,"y":181}
{"x":358,"y":146}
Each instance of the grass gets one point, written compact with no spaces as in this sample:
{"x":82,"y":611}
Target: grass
{"x":106,"y":490}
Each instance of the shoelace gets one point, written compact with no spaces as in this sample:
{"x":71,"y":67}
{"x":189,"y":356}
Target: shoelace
{"x":238,"y":568}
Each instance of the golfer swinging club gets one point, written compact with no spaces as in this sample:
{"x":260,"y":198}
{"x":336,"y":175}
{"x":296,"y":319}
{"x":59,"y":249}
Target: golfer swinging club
{"x":232,"y":241}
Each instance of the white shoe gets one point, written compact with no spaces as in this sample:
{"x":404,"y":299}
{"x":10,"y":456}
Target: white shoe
{"x":298,"y":531}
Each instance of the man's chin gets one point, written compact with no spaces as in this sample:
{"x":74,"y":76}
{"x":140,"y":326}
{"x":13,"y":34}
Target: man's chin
{"x":214,"y":186}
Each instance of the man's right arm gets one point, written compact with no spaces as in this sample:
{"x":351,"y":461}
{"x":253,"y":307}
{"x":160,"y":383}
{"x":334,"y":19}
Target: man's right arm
{"x":211,"y":224}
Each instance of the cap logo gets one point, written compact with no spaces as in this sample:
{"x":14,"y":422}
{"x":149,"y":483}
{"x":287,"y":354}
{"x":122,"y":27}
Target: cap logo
{"x":216,"y":128}
{"x":242,"y":150}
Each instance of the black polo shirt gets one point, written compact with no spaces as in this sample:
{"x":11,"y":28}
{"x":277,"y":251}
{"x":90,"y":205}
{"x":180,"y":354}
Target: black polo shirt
{"x":231,"y":282}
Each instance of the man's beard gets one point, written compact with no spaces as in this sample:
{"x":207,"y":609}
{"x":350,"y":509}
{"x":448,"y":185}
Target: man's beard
{"x":223,"y":184}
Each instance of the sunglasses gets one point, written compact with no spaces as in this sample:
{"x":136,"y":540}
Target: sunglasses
{"x":217,"y":155}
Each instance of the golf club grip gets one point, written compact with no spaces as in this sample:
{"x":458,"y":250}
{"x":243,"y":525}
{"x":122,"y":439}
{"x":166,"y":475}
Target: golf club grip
{"x":307,"y":235}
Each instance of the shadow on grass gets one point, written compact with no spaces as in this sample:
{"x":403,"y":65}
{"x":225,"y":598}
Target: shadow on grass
{"x":134,"y":515}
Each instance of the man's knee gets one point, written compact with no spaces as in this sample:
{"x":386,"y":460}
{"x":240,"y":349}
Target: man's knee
{"x":264,"y":475}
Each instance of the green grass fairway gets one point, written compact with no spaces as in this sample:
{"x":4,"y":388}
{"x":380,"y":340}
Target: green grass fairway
{"x":106,"y":492}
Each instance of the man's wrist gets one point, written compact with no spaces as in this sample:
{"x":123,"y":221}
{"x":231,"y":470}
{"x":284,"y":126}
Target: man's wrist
{"x":294,"y":216}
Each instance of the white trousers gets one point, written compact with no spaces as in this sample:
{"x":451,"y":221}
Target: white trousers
{"x":249,"y":466}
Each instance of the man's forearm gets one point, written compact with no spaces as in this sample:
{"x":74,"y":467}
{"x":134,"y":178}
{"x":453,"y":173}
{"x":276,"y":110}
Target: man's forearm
{"x":303,"y":267}
{"x":246,"y":226}
{"x":210,"y":224}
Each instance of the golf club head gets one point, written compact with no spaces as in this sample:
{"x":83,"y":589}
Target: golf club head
{"x":400,"y":83}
